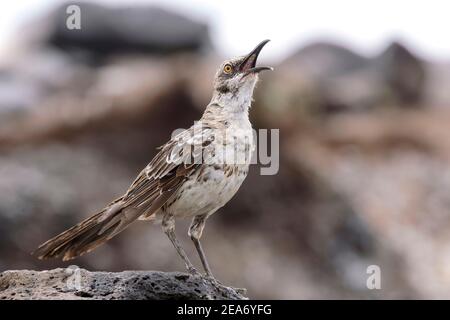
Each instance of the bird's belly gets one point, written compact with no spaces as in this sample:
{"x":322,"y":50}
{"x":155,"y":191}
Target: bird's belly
{"x":207,"y":190}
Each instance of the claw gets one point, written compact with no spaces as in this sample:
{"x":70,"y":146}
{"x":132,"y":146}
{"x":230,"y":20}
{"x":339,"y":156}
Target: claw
{"x":192,"y":271}
{"x":221,"y":287}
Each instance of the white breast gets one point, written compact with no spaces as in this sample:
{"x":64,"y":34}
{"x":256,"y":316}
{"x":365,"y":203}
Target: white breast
{"x":215,"y":183}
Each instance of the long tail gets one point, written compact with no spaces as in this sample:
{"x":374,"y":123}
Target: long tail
{"x":89,"y":233}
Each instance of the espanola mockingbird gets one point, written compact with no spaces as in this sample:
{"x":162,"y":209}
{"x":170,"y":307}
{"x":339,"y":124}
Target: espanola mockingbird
{"x":193,"y":175}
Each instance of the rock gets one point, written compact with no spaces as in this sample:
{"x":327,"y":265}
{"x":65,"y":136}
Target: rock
{"x":106,"y":30}
{"x":402,"y":73}
{"x":323,"y":79}
{"x":322,"y":60}
{"x":73,"y":283}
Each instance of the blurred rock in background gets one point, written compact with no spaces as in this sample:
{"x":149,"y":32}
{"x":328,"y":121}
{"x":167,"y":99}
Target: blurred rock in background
{"x":325,"y":78}
{"x":109,"y":31}
{"x":364,"y":156}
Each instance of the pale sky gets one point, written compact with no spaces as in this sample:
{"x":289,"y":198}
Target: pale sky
{"x":237,"y":25}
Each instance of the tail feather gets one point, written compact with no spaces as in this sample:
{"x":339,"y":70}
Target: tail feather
{"x":102,"y":226}
{"x":89,"y":233}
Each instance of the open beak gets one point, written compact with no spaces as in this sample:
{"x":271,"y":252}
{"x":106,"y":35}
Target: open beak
{"x":248,"y":65}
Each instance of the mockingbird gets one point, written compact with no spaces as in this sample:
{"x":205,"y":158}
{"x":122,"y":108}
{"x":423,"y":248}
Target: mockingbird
{"x":193,"y":175}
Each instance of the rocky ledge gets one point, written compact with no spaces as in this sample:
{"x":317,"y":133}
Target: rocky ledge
{"x":76,"y":283}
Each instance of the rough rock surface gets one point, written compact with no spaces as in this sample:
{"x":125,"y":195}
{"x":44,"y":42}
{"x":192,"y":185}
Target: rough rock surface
{"x":74,"y":283}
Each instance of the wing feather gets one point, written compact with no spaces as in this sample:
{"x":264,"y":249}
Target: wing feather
{"x":154,"y":186}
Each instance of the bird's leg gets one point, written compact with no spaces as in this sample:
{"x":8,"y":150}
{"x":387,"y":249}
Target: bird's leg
{"x":168,"y":226}
{"x":195,"y":232}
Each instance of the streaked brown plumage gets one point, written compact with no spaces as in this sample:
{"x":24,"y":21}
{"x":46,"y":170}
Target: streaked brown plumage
{"x":187,"y":178}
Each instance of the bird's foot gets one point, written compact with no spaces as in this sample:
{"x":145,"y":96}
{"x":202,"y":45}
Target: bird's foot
{"x":193,"y":272}
{"x":210,"y":278}
{"x":216,"y":283}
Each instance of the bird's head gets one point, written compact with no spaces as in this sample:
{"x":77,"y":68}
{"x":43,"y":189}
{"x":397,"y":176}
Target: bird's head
{"x":236,"y":78}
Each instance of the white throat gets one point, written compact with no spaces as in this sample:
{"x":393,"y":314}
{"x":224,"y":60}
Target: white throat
{"x":236,"y":102}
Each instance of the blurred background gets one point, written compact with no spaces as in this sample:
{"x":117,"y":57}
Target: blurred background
{"x":360,"y":94}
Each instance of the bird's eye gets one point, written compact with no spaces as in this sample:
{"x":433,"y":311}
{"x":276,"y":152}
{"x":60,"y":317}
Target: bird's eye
{"x":227,"y":68}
